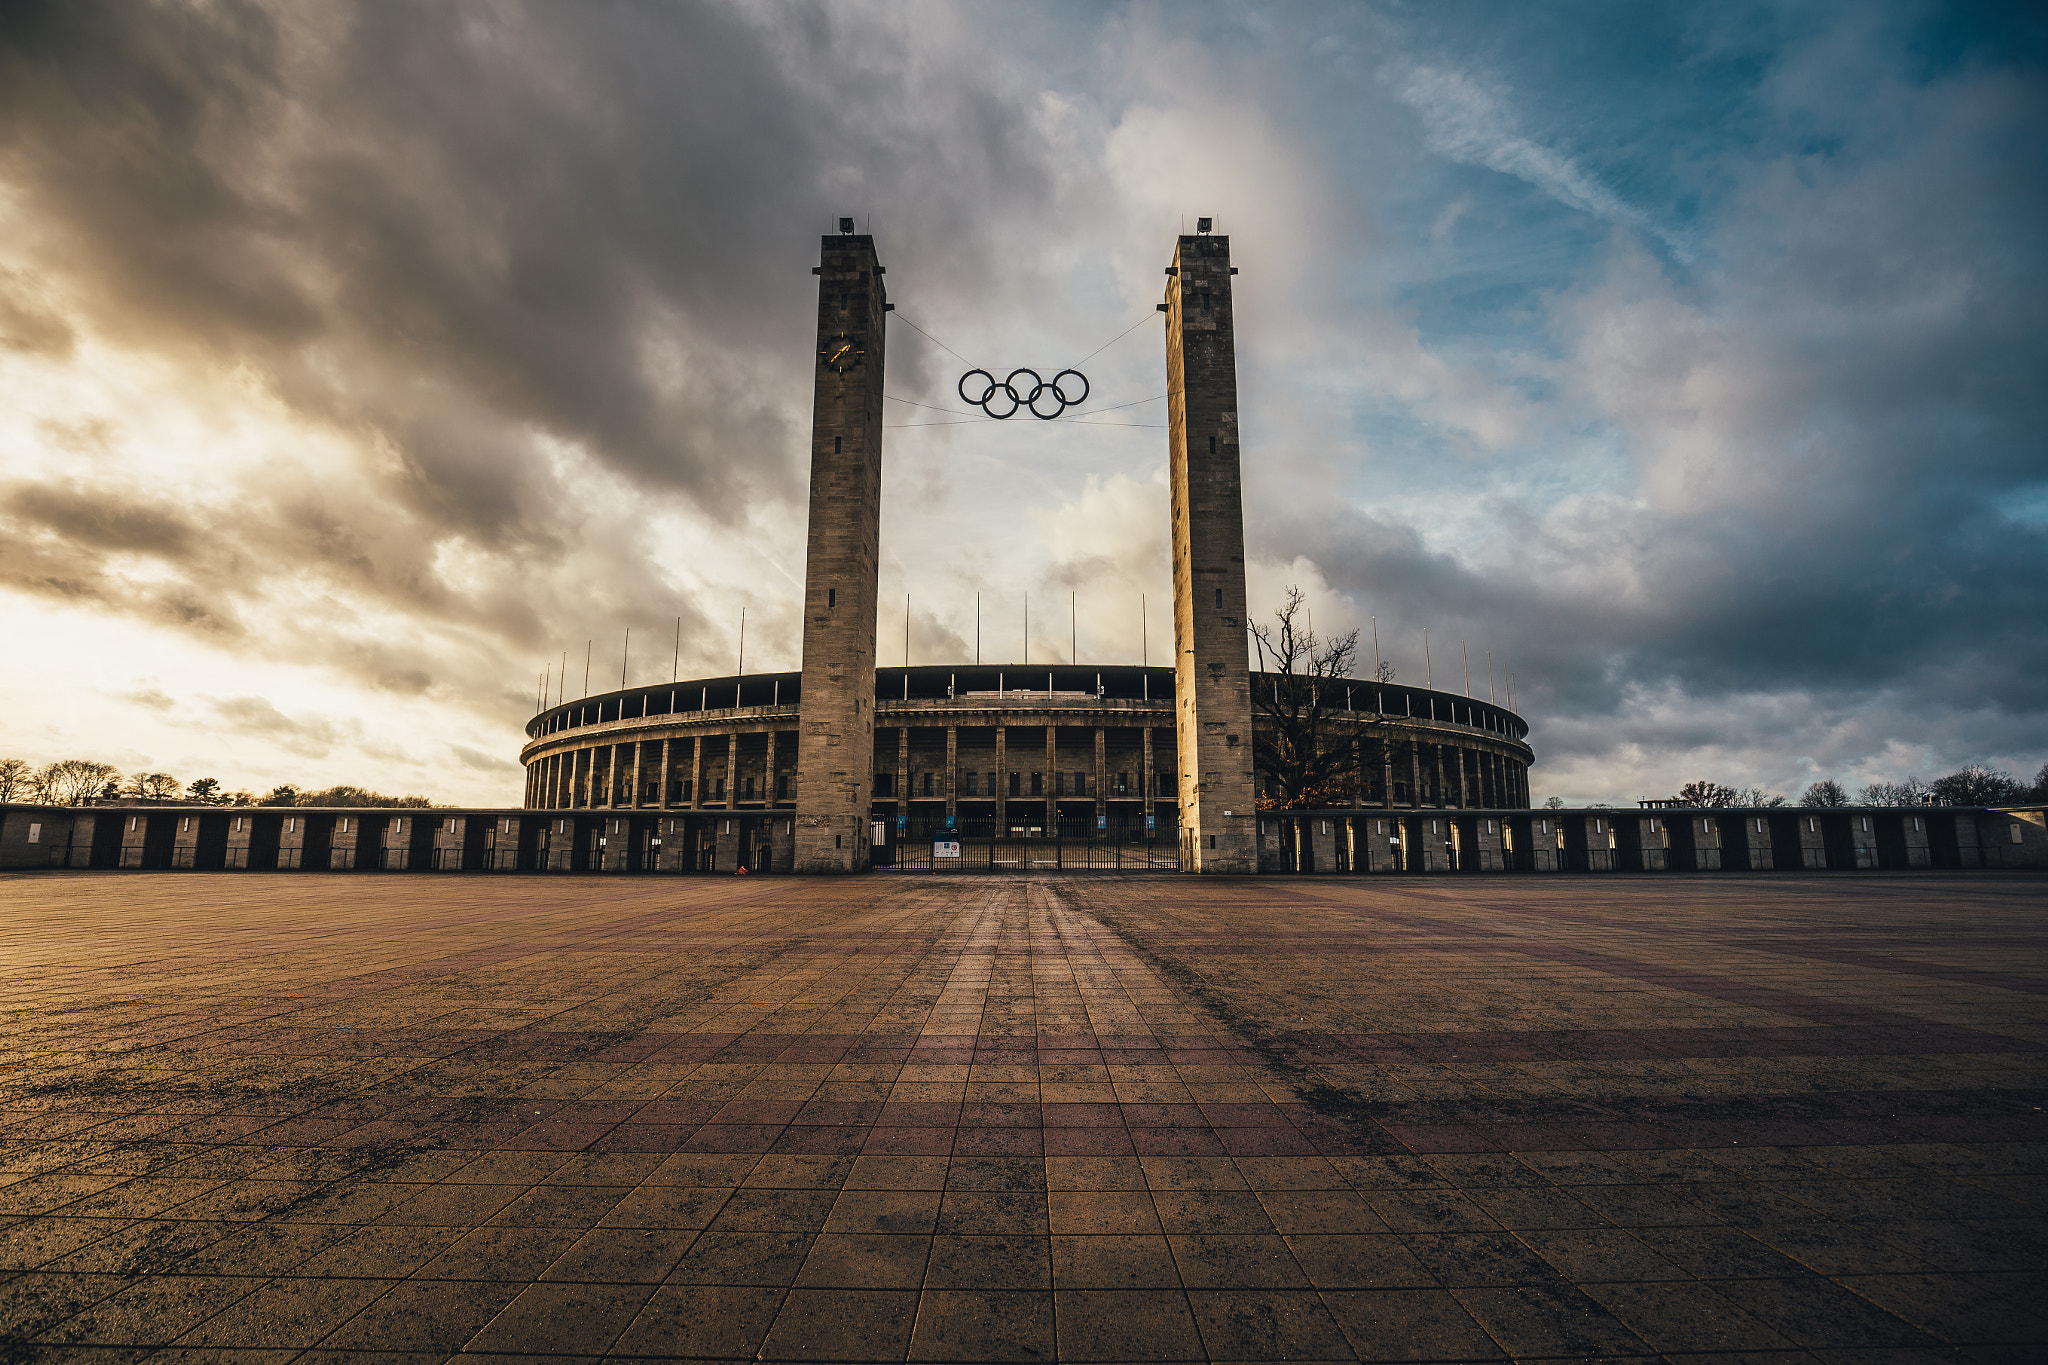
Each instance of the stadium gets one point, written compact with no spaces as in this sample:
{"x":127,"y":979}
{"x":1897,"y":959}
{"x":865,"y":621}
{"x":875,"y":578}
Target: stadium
{"x":1020,"y":767}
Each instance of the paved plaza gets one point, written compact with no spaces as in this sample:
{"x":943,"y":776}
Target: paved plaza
{"x":353,"y":1118}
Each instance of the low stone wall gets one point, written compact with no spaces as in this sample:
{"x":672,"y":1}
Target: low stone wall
{"x":1360,"y":840}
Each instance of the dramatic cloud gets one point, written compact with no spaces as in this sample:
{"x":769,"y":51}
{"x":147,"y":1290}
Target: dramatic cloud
{"x":358,"y":362}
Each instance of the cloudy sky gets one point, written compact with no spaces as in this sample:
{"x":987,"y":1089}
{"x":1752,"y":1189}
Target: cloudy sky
{"x":357,"y":362}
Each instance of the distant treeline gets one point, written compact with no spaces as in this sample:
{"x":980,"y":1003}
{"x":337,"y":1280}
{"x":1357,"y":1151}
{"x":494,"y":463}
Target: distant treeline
{"x":1970,"y":786}
{"x":81,"y":782}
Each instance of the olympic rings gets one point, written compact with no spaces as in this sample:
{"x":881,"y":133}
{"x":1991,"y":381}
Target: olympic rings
{"x":995,"y":392}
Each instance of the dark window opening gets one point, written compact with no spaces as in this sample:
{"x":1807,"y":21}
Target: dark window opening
{"x":1219,"y":599}
{"x":1038,"y":784}
{"x":831,"y":597}
{"x":1013,"y":784}
{"x":1212,"y":445}
{"x":838,"y":445}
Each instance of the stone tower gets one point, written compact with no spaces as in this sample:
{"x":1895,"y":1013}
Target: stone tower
{"x":836,"y":744}
{"x":1213,"y":709}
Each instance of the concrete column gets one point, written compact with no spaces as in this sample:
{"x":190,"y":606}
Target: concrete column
{"x":732,"y":770}
{"x":1101,"y":774}
{"x":1002,"y":780}
{"x":952,"y":775}
{"x":768,"y":795}
{"x":667,"y":767}
{"x":1387,"y":773}
{"x":903,"y":772}
{"x":1145,"y":779}
{"x":1414,"y":778}
{"x":1464,"y":795}
{"x":1212,"y":710}
{"x":639,"y":772}
{"x":1052,"y":776}
{"x":836,"y":742}
{"x":1443,"y":795}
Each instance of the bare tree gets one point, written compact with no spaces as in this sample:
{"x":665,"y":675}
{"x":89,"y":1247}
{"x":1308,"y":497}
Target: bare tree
{"x":1554,"y":803}
{"x":153,"y":786}
{"x":15,"y":778}
{"x":1976,"y":785}
{"x":1706,"y":794}
{"x":1826,"y":792}
{"x":1757,"y":796}
{"x":1384,"y":672}
{"x":74,"y":781}
{"x":1911,"y":792}
{"x":1305,"y":761}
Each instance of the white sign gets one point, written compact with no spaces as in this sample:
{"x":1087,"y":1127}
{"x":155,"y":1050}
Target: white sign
{"x":943,"y":849}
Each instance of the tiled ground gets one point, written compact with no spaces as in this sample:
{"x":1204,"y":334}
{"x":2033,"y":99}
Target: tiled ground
{"x":324,"y":1118}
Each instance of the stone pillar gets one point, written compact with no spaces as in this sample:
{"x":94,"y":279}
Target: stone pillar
{"x":836,"y":742}
{"x":903,"y":774}
{"x":667,"y":769}
{"x":1146,"y":781}
{"x":732,"y":770}
{"x":696,"y":801}
{"x":1464,"y":793}
{"x":768,"y":790}
{"x":1002,"y":792}
{"x":952,"y":774}
{"x":1101,"y":775}
{"x":1387,"y":773}
{"x":1212,"y":668}
{"x":1052,"y":776}
{"x":639,"y":773}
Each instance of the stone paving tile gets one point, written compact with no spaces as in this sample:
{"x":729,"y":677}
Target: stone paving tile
{"x":355,"y":1119}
